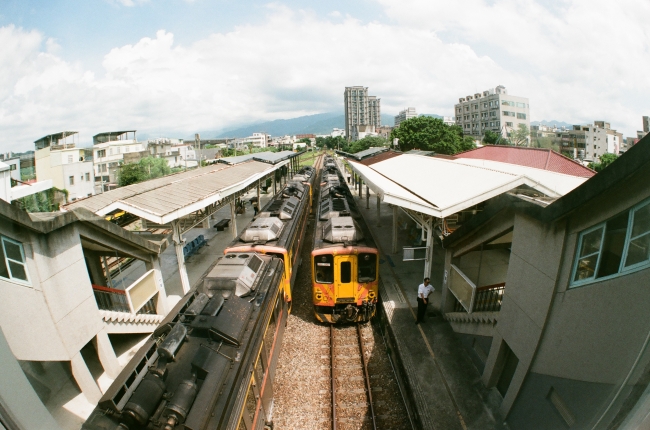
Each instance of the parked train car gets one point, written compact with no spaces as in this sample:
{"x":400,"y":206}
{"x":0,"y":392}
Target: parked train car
{"x":211,"y":363}
{"x":345,"y":266}
{"x":279,"y":228}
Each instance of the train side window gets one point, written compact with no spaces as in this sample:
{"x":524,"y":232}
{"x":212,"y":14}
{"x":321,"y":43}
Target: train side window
{"x":367,"y":267}
{"x":346,"y":272}
{"x":324,"y":269}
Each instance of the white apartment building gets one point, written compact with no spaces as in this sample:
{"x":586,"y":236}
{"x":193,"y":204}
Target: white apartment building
{"x":613,"y":142}
{"x":58,"y":158}
{"x":405,"y":114}
{"x":258,"y":140}
{"x":449,"y":120}
{"x":108,"y":153}
{"x":338,"y":132}
{"x":360,"y":109}
{"x":8,"y":193}
{"x":494,"y":110}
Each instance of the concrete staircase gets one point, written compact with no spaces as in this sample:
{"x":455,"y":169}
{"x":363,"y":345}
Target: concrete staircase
{"x":476,"y":323}
{"x":125,"y":322}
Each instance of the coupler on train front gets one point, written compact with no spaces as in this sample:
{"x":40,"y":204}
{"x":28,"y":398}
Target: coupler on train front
{"x":342,"y":313}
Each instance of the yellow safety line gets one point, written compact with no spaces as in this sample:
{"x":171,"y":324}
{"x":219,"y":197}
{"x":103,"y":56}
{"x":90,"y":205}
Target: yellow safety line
{"x":424,"y":337}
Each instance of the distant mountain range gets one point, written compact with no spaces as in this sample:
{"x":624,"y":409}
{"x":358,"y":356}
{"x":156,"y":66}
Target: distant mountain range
{"x":321,"y":123}
{"x":552,"y":122}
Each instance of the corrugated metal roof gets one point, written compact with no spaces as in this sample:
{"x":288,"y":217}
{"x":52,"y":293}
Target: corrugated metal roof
{"x":443,"y":187}
{"x":236,"y":160}
{"x":274,"y":157}
{"x":165,"y":199}
{"x":364,"y":154}
{"x":380,"y":157}
{"x":266,"y":157}
{"x":538,"y":158}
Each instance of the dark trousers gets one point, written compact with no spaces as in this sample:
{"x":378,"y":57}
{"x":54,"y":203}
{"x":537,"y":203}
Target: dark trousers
{"x":422,"y":309}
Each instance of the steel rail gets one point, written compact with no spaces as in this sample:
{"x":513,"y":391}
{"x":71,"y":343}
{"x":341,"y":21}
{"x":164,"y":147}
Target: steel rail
{"x":333,"y":377}
{"x":362,"y":350}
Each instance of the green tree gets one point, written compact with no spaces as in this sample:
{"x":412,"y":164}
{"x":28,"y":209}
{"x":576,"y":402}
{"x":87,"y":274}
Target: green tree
{"x":492,"y":138}
{"x":155,"y":167}
{"x":366,"y":143}
{"x":605,"y":160}
{"x":330,"y":142}
{"x":145,"y":169}
{"x":520,"y":136}
{"x":431,"y":134}
{"x":305,"y":140}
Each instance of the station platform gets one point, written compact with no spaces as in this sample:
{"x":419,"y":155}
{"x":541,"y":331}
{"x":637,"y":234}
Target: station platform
{"x":443,"y":385}
{"x":68,"y":405}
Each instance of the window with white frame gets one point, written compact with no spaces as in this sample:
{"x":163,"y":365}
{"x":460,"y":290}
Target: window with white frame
{"x":12,"y":260}
{"x":613,"y":247}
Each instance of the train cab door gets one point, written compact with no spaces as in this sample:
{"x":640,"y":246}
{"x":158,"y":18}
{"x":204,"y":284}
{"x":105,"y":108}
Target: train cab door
{"x":343,"y":282}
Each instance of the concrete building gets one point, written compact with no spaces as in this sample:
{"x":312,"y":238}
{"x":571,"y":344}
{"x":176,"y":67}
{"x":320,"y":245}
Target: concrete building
{"x":338,"y":132}
{"x":109,"y":149}
{"x":494,"y":110}
{"x":14,"y":167}
{"x":360,"y":109}
{"x":384,"y":131}
{"x":56,"y":294}
{"x":374,"y":111}
{"x":58,"y":158}
{"x":550,"y":301}
{"x":449,"y":120}
{"x":10,"y":190}
{"x":258,"y":140}
{"x":405,"y":114}
{"x":646,"y":124}
{"x":361,"y":131}
{"x":589,"y":142}
{"x":613,"y":142}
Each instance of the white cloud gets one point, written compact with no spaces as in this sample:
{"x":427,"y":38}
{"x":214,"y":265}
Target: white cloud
{"x":578,"y":60}
{"x":295,"y":63}
{"x":127,"y":3}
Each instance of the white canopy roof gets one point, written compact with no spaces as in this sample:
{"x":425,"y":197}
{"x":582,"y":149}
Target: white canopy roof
{"x":171,"y":197}
{"x":441,"y":187}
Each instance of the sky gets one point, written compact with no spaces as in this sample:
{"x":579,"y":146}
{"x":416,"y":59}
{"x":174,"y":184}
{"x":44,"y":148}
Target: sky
{"x":175,"y":67}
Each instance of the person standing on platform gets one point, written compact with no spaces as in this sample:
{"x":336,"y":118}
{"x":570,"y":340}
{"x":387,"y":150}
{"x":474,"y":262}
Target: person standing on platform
{"x":424,"y":290}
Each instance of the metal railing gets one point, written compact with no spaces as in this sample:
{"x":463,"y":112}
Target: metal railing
{"x":488,"y":298}
{"x":111,"y":299}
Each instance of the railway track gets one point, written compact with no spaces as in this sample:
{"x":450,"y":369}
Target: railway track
{"x":304,"y":380}
{"x":352,"y":405}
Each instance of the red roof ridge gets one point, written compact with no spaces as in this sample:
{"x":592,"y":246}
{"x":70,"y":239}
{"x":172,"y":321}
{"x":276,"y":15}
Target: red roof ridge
{"x":553,"y":161}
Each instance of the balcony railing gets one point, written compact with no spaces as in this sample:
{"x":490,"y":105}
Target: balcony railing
{"x":111,"y":299}
{"x":470,"y":298}
{"x":488,"y":298}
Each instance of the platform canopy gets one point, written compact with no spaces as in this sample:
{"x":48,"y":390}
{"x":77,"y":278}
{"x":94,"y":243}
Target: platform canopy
{"x":171,"y":197}
{"x":442,"y":187}
{"x":264,"y":157}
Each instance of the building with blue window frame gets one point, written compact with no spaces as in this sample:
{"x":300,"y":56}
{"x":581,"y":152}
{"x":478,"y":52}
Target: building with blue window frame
{"x":551,"y":300}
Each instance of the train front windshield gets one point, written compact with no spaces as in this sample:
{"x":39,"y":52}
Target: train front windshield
{"x":324,"y":269}
{"x":367,"y":267}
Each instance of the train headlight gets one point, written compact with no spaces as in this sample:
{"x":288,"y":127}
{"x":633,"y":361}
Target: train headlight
{"x":371,"y":294}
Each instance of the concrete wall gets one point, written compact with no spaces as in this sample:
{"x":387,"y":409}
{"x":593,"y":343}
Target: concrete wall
{"x":19,"y":404}
{"x":530,"y":285}
{"x":580,"y":342}
{"x":55,"y":315}
{"x":45,"y":170}
{"x":82,"y":187}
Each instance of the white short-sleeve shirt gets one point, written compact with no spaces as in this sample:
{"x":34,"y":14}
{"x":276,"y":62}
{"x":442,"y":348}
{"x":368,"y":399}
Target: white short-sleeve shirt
{"x":424,"y":291}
